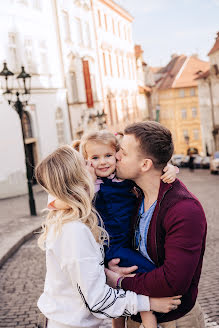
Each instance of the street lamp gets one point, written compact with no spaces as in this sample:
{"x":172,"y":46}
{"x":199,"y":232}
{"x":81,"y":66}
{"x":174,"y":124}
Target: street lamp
{"x":18,"y":100}
{"x":101,"y":117}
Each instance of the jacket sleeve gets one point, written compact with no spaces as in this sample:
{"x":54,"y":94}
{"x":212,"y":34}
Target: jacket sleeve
{"x":81,"y":259}
{"x":185,"y":228}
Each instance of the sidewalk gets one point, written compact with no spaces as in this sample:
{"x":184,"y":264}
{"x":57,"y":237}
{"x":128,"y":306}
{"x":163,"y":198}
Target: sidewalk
{"x":16,"y":224}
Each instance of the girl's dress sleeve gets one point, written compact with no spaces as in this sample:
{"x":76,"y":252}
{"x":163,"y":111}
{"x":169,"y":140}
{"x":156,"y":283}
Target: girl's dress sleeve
{"x":81,"y":258}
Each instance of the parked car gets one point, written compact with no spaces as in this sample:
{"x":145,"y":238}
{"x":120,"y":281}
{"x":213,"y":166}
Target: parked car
{"x":197,"y":161}
{"x":177,"y":159}
{"x":205,"y":164}
{"x":185,"y":161}
{"x":214,"y":163}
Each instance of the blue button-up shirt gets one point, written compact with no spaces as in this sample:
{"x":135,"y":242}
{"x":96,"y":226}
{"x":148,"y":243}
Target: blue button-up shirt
{"x":142,"y":229}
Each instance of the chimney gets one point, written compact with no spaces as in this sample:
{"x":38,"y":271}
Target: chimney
{"x":174,"y":56}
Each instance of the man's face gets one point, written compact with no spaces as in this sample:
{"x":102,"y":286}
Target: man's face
{"x":129,"y":159}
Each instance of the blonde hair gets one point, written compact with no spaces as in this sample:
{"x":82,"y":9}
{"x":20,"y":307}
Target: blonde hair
{"x":102,"y":137}
{"x":64,"y":175}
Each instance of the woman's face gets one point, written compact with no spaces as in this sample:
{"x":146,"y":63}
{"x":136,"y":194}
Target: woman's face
{"x":102,"y":157}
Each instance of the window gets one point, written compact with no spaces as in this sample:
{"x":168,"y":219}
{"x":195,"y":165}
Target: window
{"x":27,"y":125}
{"x":183,"y":114}
{"x":37,"y":4}
{"x":125,"y":33}
{"x":110,"y":64}
{"x":66,"y":26}
{"x":28,"y":49}
{"x":104,"y":64}
{"x":192,"y":92}
{"x":79,"y":33}
{"x":181,"y":93}
{"x":113,"y":25}
{"x":123,"y":67}
{"x":60,"y":126}
{"x":117,"y":62}
{"x":196,"y":134}
{"x":23,"y":2}
{"x":93,"y":86}
{"x":105,"y":19}
{"x":87,"y":36}
{"x":44,"y":65}
{"x":185,"y":135}
{"x":99,"y":18}
{"x":194,"y":112}
{"x":74,"y":87}
{"x":119,"y":29}
{"x":12,"y":47}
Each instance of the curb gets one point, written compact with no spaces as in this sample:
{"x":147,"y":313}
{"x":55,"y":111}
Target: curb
{"x":17,"y":245}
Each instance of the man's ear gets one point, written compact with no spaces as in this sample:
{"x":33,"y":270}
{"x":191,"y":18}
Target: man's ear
{"x":146,"y":164}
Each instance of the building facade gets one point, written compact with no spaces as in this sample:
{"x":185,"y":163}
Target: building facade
{"x":80,"y":61}
{"x":208,"y":85}
{"x":175,"y":100}
{"x":29,"y":38}
{"x":117,"y":64}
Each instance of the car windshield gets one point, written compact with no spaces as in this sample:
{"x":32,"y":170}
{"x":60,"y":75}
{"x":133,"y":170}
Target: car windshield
{"x":216,"y":155}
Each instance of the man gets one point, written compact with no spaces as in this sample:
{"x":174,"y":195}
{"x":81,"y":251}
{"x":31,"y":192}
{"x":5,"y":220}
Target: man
{"x":172,"y":228}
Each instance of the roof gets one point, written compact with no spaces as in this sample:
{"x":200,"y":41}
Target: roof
{"x":216,"y":45}
{"x":155,"y":69}
{"x":189,"y":73}
{"x":170,"y":72}
{"x":181,"y":71}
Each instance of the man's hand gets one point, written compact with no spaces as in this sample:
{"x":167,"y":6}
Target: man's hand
{"x":121,"y":271}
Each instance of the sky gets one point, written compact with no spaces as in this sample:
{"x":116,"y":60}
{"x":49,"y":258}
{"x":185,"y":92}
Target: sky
{"x":166,"y":27}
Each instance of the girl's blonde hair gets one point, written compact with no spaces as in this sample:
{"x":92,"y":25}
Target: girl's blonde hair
{"x":102,"y":137}
{"x":64,"y":175}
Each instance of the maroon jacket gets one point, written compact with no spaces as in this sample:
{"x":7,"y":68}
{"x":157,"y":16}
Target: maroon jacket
{"x":176,"y":244}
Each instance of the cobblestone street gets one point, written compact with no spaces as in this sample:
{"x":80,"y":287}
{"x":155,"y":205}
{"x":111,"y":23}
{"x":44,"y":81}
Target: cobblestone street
{"x":22,"y":276}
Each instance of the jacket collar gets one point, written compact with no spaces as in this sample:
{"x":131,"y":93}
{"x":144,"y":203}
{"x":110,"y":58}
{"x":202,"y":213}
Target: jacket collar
{"x":164,"y":187}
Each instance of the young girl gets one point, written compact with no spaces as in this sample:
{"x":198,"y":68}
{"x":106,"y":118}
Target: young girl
{"x":115,"y":202}
{"x":75,"y":292}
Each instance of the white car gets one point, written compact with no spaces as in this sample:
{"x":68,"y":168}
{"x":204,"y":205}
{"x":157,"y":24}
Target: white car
{"x":177,"y":159}
{"x":214,"y":163}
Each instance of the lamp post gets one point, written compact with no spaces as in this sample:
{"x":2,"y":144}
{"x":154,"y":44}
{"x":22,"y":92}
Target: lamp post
{"x":101,"y":117}
{"x":18,"y":100}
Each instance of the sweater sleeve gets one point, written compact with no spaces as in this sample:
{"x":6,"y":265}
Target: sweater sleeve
{"x":80,"y":257}
{"x":185,"y":227}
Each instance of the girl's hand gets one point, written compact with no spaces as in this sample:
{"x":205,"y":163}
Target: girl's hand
{"x":170,"y":173}
{"x":91,"y":170}
{"x":60,"y":205}
{"x":165,"y":304}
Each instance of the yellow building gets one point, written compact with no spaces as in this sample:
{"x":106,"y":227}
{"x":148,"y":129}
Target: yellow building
{"x":177,"y":103}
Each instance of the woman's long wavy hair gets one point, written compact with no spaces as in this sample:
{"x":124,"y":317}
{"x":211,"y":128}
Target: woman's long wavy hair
{"x":64,"y":175}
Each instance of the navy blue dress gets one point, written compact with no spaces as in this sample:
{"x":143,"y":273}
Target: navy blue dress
{"x":116,"y":203}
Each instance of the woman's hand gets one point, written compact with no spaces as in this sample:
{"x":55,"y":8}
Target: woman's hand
{"x":165,"y":304}
{"x":170,"y":172}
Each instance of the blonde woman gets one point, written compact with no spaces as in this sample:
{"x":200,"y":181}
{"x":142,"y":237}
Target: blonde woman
{"x":75,"y":292}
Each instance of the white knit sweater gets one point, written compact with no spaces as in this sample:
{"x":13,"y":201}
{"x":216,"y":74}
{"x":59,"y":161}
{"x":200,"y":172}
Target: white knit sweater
{"x":75,"y":291}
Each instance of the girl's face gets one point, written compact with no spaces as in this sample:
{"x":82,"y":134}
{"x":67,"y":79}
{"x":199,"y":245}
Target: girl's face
{"x":102,"y":157}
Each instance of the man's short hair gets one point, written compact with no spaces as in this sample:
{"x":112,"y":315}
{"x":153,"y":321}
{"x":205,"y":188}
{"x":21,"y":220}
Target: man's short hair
{"x":155,"y":141}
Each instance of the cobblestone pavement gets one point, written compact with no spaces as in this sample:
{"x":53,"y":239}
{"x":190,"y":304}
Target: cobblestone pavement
{"x":22,"y":276}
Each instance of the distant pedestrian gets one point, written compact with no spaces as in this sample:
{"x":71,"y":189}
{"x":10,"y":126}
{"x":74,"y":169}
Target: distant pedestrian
{"x":75,"y":292}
